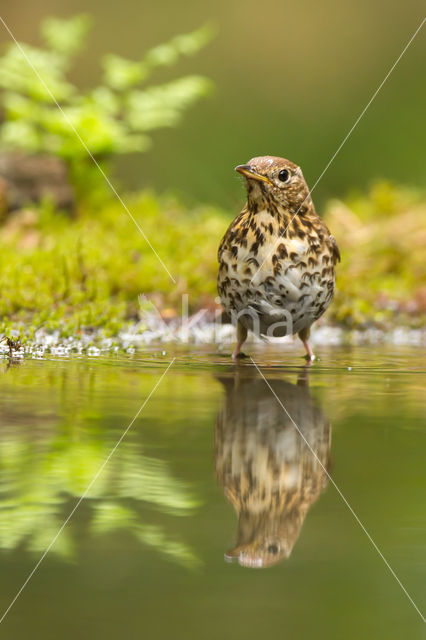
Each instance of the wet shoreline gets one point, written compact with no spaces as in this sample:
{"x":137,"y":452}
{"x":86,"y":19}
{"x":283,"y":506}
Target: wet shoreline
{"x":149,"y":333}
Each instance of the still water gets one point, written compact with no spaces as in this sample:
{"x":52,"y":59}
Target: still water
{"x":217,"y":515}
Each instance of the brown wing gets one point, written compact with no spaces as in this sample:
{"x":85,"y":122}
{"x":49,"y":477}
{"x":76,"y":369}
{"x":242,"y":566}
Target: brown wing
{"x":331,"y":240}
{"x":335,"y":249}
{"x":230,"y":233}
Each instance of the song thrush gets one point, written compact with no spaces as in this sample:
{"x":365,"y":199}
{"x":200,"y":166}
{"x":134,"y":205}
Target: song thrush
{"x":277,"y":258}
{"x":267,"y":471}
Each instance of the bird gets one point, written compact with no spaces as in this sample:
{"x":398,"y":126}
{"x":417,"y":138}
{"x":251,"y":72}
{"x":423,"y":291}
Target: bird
{"x":277,"y":258}
{"x":264,"y":465}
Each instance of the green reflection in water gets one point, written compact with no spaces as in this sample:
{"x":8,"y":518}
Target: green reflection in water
{"x":46,"y":464}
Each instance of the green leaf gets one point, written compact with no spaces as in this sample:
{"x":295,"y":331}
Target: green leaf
{"x":110,"y":516}
{"x":31,"y":70}
{"x":122,"y":74}
{"x":66,"y":36}
{"x":19,"y":107}
{"x":163,"y":106}
{"x":18,"y":134}
{"x":104,"y":98}
{"x":110,"y":119}
{"x":188,"y":44}
{"x":177,"y":551}
{"x":102,"y":133}
{"x":162,"y":55}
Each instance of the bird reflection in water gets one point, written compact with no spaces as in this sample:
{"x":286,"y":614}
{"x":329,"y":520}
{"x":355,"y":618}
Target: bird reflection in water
{"x":267,"y":472}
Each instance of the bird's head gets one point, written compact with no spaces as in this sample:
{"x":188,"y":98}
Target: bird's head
{"x":257,"y":555}
{"x":275,"y":180}
{"x":265,"y":538}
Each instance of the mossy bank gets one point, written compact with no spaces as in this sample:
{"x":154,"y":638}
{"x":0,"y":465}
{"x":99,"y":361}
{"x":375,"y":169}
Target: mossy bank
{"x":95,"y":270}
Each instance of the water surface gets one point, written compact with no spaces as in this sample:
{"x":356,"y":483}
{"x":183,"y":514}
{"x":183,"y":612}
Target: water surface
{"x":216,"y":515}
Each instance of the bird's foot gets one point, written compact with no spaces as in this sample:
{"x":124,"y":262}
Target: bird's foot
{"x":309,"y":358}
{"x":239,"y":356}
{"x":309,"y":353}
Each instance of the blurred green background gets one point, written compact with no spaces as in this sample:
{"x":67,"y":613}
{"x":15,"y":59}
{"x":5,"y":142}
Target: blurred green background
{"x":291,"y":78}
{"x":288,"y":79}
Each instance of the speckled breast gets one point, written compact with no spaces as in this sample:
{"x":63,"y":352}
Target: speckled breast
{"x":274,"y":284}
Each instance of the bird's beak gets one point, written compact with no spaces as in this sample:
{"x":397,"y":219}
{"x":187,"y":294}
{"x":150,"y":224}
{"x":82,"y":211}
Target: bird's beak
{"x":247,"y":172}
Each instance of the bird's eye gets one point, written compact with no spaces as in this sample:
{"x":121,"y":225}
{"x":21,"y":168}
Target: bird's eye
{"x":283,"y":175}
{"x":273,"y":549}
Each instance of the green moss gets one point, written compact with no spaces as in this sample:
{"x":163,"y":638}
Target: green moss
{"x":88,"y":272}
{"x":382,"y":277}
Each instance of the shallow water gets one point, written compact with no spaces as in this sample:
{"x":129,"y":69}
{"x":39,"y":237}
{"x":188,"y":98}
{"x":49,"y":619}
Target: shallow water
{"x":220,"y":465}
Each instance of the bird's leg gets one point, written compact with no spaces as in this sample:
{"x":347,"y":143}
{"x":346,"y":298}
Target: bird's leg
{"x":304,"y":336}
{"x":241,"y":338}
{"x":303,"y":377}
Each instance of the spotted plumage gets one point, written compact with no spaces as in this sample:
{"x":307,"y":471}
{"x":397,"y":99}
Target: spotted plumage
{"x":277,"y":258}
{"x":267,"y":471}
